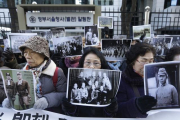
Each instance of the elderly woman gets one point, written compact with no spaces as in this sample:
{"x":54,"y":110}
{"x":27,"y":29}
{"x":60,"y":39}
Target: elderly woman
{"x":94,"y":59}
{"x":36,"y":52}
{"x":132,"y":102}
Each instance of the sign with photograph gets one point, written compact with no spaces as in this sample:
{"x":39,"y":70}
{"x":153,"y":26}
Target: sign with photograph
{"x":19,"y":88}
{"x":163,"y":83}
{"x":68,"y":46}
{"x":49,"y":19}
{"x":175,"y":39}
{"x":120,"y":37}
{"x":17,"y":39}
{"x":92,"y":87}
{"x":91,"y":36}
{"x":115,"y":50}
{"x":142,"y":31}
{"x":161,"y":44}
{"x":105,"y":22}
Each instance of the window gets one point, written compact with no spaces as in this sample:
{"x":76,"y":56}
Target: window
{"x":103,"y":2}
{"x":169,"y":3}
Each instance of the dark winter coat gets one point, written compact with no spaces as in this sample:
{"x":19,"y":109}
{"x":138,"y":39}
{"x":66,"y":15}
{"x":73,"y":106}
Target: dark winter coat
{"x":126,"y":97}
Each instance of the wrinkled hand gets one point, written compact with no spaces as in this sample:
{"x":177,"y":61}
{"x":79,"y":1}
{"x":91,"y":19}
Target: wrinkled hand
{"x":145,"y":103}
{"x":113,"y":107}
{"x":67,"y":106}
{"x":6,"y":103}
{"x":8,"y":55}
{"x":41,"y":104}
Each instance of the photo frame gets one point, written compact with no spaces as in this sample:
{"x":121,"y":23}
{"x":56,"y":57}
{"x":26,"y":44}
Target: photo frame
{"x":92,"y":87}
{"x":105,"y":22}
{"x":163,"y":83}
{"x":114,"y":50}
{"x":68,"y":46}
{"x":91,"y":36}
{"x":17,"y":39}
{"x":142,"y":31}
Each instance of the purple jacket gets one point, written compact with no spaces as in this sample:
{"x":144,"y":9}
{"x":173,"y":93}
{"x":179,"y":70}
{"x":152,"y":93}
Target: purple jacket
{"x":126,"y":96}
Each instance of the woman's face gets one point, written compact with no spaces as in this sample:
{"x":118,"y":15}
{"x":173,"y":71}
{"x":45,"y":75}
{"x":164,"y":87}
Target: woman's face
{"x":33,"y":59}
{"x":92,"y":61}
{"x":141,"y":61}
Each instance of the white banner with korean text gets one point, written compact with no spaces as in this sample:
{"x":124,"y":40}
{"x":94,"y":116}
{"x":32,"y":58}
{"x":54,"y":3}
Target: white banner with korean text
{"x":32,"y":114}
{"x":51,"y":19}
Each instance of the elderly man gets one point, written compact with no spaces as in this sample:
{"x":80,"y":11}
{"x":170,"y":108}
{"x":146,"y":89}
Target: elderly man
{"x":23,"y":90}
{"x":166,"y":94}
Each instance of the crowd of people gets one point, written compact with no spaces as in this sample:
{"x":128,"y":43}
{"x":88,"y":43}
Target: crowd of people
{"x":130,"y":101}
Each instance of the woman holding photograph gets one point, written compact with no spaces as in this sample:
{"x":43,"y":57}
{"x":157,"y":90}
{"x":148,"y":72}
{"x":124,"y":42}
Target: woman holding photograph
{"x":132,"y":102}
{"x":36,"y":52}
{"x":94,"y":59}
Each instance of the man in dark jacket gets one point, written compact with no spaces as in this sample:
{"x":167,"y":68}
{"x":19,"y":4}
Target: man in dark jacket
{"x":10,"y":87}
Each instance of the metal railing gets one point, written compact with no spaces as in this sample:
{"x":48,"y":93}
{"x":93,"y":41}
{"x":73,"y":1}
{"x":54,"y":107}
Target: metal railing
{"x":165,"y":22}
{"x":162,"y":22}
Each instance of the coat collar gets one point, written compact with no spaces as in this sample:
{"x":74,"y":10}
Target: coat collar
{"x":48,"y":69}
{"x":132,"y":77}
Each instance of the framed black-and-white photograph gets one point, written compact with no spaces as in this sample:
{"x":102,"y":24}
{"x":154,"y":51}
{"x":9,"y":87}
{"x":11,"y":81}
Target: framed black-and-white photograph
{"x":162,"y":81}
{"x":175,"y":40}
{"x":92,"y":87}
{"x":91,"y":36}
{"x":105,"y":22}
{"x":114,"y":50}
{"x":17,"y":39}
{"x":58,"y":32}
{"x":6,"y":44}
{"x":161,"y":44}
{"x":120,"y":37}
{"x":68,"y":46}
{"x":142,"y":31}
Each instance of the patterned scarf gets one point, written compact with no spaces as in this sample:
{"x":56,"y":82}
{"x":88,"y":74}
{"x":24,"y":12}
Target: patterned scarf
{"x":37,"y":73}
{"x":115,"y":66}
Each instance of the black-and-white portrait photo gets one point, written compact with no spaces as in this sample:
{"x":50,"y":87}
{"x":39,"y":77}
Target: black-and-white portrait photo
{"x":17,"y":39}
{"x":175,"y":40}
{"x":91,"y":36}
{"x":163,"y":83}
{"x":105,"y":22}
{"x":92,"y":87}
{"x":114,"y":50}
{"x":68,"y":46}
{"x":142,"y":31}
{"x":120,"y":37}
{"x":161,"y":44}
{"x":58,"y":32}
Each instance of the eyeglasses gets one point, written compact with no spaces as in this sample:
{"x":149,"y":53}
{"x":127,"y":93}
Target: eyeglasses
{"x":95,"y":64}
{"x":145,"y":61}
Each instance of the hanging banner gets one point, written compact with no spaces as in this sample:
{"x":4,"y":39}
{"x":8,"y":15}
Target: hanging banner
{"x":49,"y":19}
{"x":34,"y":114}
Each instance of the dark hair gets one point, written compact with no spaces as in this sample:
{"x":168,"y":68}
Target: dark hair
{"x":139,"y":49}
{"x":95,"y":51}
{"x":172,"y":52}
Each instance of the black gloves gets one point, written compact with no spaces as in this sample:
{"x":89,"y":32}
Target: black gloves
{"x":145,"y":103}
{"x":68,"y":108}
{"x":112,"y":108}
{"x":8,"y":55}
